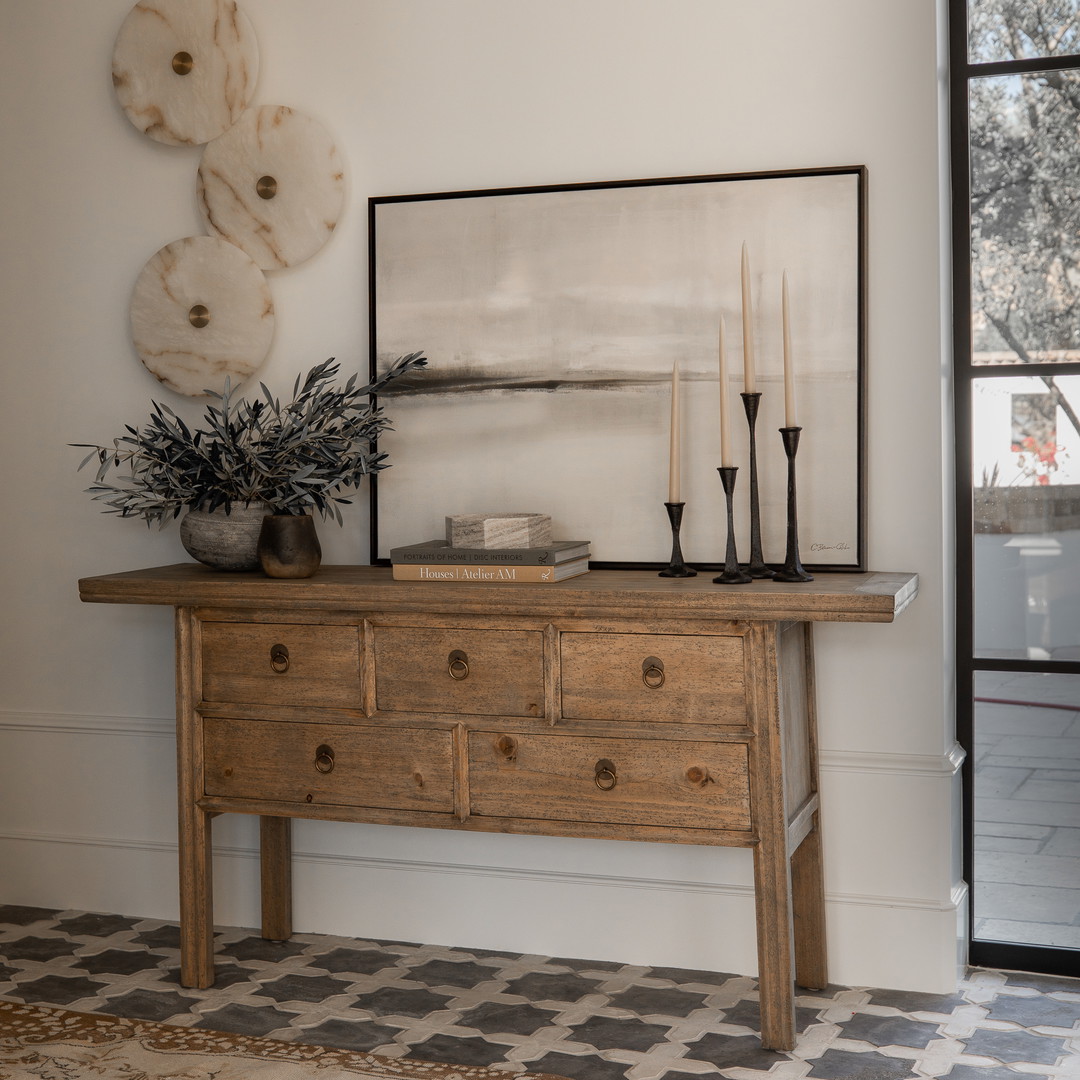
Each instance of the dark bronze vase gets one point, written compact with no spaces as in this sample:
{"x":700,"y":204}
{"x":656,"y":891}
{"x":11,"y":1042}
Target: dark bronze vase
{"x":289,"y":546}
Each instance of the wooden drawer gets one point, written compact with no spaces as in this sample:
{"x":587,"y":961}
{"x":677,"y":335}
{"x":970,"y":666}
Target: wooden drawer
{"x":404,"y":769}
{"x":697,"y":785}
{"x":243,"y":663}
{"x":672,"y":678}
{"x":452,"y":670}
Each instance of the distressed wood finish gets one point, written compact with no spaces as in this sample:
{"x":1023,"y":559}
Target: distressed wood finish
{"x":494,"y":672}
{"x":275,"y":866}
{"x":700,"y":680}
{"x":321,"y":667}
{"x":397,"y":769}
{"x":695,"y":785}
{"x":553,"y":728}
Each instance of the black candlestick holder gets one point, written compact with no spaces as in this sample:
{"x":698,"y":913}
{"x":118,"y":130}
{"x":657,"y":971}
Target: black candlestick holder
{"x":792,"y":569}
{"x":676,"y":568}
{"x":733,"y":574}
{"x":756,"y":568}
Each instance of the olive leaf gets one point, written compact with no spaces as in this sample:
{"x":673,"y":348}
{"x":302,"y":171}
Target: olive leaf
{"x":297,"y":457}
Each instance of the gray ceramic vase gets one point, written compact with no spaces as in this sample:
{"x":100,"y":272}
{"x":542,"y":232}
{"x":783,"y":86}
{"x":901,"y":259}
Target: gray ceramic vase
{"x":224,"y":541}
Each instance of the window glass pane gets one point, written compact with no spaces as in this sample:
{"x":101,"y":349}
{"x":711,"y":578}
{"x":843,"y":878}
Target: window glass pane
{"x":1027,"y":808}
{"x":1022,"y":29}
{"x":1026,"y":457}
{"x":1025,"y":218}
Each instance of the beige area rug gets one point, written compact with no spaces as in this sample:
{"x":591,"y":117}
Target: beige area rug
{"x":40,"y":1043}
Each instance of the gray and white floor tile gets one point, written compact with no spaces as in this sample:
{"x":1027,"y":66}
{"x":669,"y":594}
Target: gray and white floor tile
{"x":593,"y":1020}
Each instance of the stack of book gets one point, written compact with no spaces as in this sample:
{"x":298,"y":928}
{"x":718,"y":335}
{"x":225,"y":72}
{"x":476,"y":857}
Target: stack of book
{"x":436,"y":560}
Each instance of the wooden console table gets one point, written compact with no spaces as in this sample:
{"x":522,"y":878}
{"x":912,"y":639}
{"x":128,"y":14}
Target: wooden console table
{"x":616,"y":705}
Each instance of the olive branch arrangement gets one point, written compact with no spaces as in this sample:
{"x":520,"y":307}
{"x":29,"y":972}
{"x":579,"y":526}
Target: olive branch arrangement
{"x":296,"y":457}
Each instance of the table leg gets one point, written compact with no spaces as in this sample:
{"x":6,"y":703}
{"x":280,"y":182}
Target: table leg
{"x":196,"y":899}
{"x":808,"y":904}
{"x":772,"y":888}
{"x":194,"y":836}
{"x":275,"y":846}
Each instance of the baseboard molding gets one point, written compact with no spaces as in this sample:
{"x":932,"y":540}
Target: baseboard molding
{"x":860,"y":761}
{"x":363,"y":863}
{"x":86,"y":724}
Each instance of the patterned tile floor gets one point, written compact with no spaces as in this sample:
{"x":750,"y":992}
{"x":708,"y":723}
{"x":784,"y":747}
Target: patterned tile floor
{"x":576,"y":1018}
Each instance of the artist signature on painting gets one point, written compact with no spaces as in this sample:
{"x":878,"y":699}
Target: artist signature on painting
{"x":831,"y":547}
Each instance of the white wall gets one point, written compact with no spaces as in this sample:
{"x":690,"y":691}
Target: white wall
{"x":435,"y":95}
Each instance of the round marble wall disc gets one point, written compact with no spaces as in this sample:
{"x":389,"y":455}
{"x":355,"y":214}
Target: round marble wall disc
{"x":201,"y":310}
{"x":273,"y":185}
{"x":185,"y":70}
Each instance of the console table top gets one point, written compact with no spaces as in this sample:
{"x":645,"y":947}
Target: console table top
{"x":830,"y":597}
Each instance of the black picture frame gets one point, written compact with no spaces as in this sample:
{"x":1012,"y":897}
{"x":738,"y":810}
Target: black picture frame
{"x":551,"y":316}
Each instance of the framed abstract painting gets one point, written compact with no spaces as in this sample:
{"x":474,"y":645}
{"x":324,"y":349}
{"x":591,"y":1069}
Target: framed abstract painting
{"x":552,"y":318}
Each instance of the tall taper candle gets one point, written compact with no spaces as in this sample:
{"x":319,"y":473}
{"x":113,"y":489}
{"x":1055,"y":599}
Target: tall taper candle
{"x":725,"y":415}
{"x":749,"y":374}
{"x":790,"y":419}
{"x":674,"y":463}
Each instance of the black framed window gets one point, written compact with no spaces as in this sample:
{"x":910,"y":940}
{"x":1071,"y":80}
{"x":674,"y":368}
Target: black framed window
{"x":1016,"y":243}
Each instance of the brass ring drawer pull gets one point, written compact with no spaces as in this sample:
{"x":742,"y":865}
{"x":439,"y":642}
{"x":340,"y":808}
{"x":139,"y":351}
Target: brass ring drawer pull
{"x":458,"y":666}
{"x":324,"y":759}
{"x":606,"y":777}
{"x":652,"y":672}
{"x":279,"y":658}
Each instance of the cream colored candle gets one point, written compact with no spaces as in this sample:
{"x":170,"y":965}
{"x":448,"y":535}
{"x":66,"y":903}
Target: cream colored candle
{"x":749,"y":374}
{"x":790,"y":419}
{"x":725,"y":416}
{"x":674,"y":462}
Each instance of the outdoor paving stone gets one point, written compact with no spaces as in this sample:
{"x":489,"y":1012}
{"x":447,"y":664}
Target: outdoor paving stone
{"x":541,"y":986}
{"x":1051,"y":790}
{"x":999,"y":900}
{"x":451,"y":973}
{"x":118,"y":961}
{"x":1064,"y":842}
{"x":495,"y":1018}
{"x":359,"y":1035}
{"x":254,"y":1020}
{"x":150,"y":1005}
